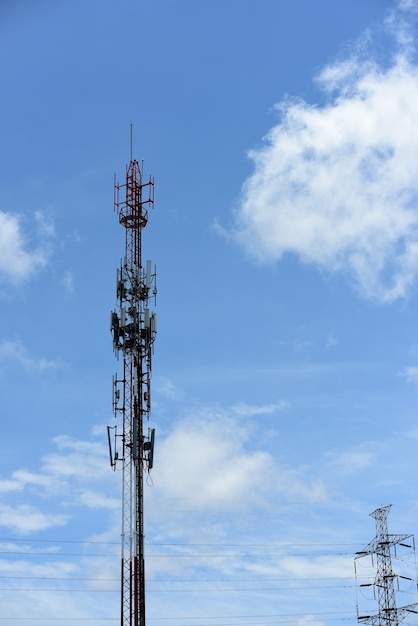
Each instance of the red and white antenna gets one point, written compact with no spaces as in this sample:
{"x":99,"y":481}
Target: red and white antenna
{"x":133,"y":326}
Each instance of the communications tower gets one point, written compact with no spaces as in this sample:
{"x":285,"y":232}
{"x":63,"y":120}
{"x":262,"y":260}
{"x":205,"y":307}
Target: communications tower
{"x":133,"y":326}
{"x":386,"y":583}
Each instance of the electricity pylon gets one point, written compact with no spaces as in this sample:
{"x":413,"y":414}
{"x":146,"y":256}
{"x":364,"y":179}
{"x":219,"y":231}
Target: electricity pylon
{"x":386,"y":583}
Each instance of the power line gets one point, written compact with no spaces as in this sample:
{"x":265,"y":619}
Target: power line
{"x":212,"y":617}
{"x":177,"y":555}
{"x":287,"y":621}
{"x":58,"y":590}
{"x":102,"y":619}
{"x":113,"y":543}
{"x":183,"y":580}
{"x":183,"y":544}
{"x":58,"y":578}
{"x":240,"y":589}
{"x":252,"y":616}
{"x":246,"y":555}
{"x":26,"y":553}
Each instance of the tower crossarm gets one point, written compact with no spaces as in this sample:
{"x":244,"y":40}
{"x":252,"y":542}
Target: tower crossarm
{"x":389,"y":617}
{"x":379,"y":544}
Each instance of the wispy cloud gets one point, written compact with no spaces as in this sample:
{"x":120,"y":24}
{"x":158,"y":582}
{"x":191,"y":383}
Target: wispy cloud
{"x":167,"y":389}
{"x":331,"y":342}
{"x":68,"y":281}
{"x":352,"y":461}
{"x":45,"y":224}
{"x":69,"y":477}
{"x":75,"y":458}
{"x":411,"y":374}
{"x":246,"y":410}
{"x":22,"y":478}
{"x":26,"y":518}
{"x":336,"y":185}
{"x":13,"y":351}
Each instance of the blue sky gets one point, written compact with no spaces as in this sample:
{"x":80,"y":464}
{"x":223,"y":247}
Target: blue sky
{"x":283,"y":140}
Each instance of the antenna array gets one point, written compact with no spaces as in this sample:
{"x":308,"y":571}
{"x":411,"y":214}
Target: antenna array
{"x":133,"y":326}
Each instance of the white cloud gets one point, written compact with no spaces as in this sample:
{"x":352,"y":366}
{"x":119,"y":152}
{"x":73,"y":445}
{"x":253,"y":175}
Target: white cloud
{"x":204,"y":465}
{"x":352,"y":461}
{"x":17,"y":261}
{"x":47,"y":484}
{"x":336,"y":185}
{"x":45,"y":224}
{"x":55,"y":570}
{"x":408,"y":4}
{"x":331,"y":341}
{"x":246,"y":410}
{"x":167,"y":389}
{"x":95,"y":500}
{"x":311,"y":620}
{"x":8,"y":485}
{"x":304,"y":566}
{"x":26,"y":518}
{"x":14,"y":351}
{"x":70,"y":476}
{"x":411,"y":374}
{"x":413,"y":434}
{"x":77,"y":459}
{"x":68,"y":281}
{"x":212,"y":462}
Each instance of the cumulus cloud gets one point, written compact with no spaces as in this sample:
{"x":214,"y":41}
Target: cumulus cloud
{"x":17,"y":260}
{"x":212,"y":462}
{"x":336,"y":185}
{"x":204,"y":465}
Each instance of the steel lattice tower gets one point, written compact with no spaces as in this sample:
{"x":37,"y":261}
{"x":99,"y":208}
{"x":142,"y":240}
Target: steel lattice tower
{"x":381,"y":548}
{"x":133,"y":327}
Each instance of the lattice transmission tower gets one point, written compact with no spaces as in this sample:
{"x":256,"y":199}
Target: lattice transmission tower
{"x":383,"y":549}
{"x":134,"y":327}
